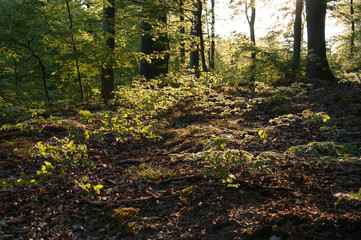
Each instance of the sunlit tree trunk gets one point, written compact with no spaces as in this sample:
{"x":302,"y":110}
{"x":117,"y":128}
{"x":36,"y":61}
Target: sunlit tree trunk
{"x":201,"y":40}
{"x":107,"y":72}
{"x":213,"y":22}
{"x":317,"y":64}
{"x":297,"y":36}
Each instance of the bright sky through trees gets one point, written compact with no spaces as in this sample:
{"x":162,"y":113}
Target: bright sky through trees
{"x":267,"y":17}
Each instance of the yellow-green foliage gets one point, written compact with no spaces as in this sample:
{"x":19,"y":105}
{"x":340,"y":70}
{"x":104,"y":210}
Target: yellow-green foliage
{"x":147,"y":171}
{"x":189,"y":192}
{"x":123,"y":220}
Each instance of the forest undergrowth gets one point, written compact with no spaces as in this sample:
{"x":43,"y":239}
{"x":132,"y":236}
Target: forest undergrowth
{"x":183,"y":159}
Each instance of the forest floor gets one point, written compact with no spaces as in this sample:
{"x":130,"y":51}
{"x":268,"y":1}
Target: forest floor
{"x":282,"y":177}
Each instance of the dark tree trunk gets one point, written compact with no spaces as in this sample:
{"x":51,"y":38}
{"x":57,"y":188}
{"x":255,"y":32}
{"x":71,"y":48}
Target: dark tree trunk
{"x":201,"y":40}
{"x":156,"y":66}
{"x":41,"y":64}
{"x":43,"y":71}
{"x":194,"y":54}
{"x":352,"y":11}
{"x":107,"y":72}
{"x":213,"y":22}
{"x":251,"y":22}
{"x":16,"y":73}
{"x":297,"y":36}
{"x":182,"y":32}
{"x":75,"y":50}
{"x":317,"y":64}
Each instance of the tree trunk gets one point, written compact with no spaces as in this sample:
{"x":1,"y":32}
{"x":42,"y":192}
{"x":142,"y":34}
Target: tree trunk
{"x":201,"y":40}
{"x":75,"y":50}
{"x":297,"y":36}
{"x":352,"y":11}
{"x":16,"y":73}
{"x":251,"y":22}
{"x":156,"y":66}
{"x":41,"y":64}
{"x":182,"y":32}
{"x":194,"y":54}
{"x":213,"y":22}
{"x":317,"y":64}
{"x":107,"y":72}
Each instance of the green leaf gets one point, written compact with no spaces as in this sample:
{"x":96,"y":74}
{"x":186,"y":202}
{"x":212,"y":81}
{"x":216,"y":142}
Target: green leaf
{"x":354,"y":196}
{"x":262,"y":133}
{"x":48,"y":164}
{"x":325,"y":118}
{"x":97,"y":187}
{"x":70,"y":144}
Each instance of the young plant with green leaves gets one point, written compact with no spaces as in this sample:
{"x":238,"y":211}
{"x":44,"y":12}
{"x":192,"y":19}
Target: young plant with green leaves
{"x":325,"y":152}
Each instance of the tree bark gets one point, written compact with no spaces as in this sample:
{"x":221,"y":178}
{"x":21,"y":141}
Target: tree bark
{"x":156,"y":66}
{"x":194,"y":54}
{"x":75,"y":50}
{"x":43,"y":71}
{"x":213,"y":22}
{"x":297,"y":36}
{"x":352,"y":11}
{"x":41,"y":64}
{"x":107,"y":72}
{"x":317,"y":64}
{"x":201,"y":40}
{"x":251,"y":22}
{"x":182,"y":32}
{"x":16,"y":73}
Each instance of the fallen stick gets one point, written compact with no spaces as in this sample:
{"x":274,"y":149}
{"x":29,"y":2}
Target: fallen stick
{"x":132,"y":200}
{"x":193,"y":177}
{"x":129,"y":161}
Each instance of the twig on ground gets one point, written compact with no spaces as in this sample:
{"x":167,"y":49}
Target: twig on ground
{"x":111,"y":202}
{"x":129,"y":161}
{"x":193,"y":177}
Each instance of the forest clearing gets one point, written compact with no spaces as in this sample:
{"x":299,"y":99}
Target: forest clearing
{"x":133,"y":120}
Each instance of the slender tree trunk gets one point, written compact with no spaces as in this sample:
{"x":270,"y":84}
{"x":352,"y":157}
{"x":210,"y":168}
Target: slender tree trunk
{"x":182,"y":32}
{"x":317,"y":64}
{"x":352,"y":11}
{"x":251,"y":22}
{"x":75,"y":50}
{"x":194,"y":54}
{"x":43,"y":71}
{"x":42,"y":66}
{"x":213,"y":44}
{"x":16,"y":73}
{"x":297,"y":36}
{"x":200,"y":32}
{"x":107,"y":72}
